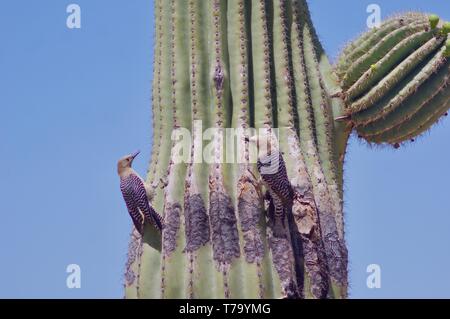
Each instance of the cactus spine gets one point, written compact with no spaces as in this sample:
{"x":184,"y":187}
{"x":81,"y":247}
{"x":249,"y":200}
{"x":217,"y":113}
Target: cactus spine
{"x":259,"y":64}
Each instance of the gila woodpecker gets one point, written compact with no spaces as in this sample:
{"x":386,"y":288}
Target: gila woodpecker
{"x":135,"y":194}
{"x":272,"y":169}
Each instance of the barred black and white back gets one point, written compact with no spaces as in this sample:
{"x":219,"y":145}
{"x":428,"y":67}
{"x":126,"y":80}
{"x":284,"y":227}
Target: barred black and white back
{"x":273,"y":172}
{"x":135,"y":196}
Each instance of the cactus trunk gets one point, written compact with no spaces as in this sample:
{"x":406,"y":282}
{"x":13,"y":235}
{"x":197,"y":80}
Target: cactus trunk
{"x":259,"y":64}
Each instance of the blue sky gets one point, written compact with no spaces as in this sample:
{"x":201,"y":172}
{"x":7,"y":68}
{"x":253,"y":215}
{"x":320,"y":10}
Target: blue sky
{"x":73,"y":101}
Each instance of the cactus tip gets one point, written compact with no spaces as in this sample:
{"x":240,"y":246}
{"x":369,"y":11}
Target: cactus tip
{"x":446,"y":28}
{"x":434,"y":20}
{"x":447,"y":48}
{"x":373,"y":67}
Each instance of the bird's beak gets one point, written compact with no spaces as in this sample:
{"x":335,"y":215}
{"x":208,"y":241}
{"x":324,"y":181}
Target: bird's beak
{"x":135,"y":154}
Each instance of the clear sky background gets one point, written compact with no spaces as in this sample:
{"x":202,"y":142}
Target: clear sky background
{"x":73,"y":101}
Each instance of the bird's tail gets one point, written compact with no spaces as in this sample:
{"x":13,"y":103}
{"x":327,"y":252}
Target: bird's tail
{"x":156,"y":220}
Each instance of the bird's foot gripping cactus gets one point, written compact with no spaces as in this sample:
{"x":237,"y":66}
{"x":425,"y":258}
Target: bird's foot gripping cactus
{"x":241,"y":64}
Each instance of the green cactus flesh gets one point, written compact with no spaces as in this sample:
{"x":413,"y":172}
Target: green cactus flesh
{"x":384,"y":104}
{"x":434,"y":20}
{"x":447,"y":48}
{"x":242,"y":64}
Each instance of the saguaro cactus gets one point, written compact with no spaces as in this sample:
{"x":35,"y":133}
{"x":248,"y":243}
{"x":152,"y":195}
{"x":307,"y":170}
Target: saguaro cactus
{"x":241,"y":64}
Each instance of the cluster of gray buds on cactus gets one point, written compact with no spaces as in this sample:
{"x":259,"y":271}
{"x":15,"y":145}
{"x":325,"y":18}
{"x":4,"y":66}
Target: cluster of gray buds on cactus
{"x":259,"y":64}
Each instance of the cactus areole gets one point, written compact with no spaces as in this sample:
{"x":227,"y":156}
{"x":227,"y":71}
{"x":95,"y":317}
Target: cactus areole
{"x":259,"y":64}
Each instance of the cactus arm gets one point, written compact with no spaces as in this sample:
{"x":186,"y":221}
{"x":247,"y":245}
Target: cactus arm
{"x":379,"y":129}
{"x":434,"y":108}
{"x":399,"y":72}
{"x":423,"y":122}
{"x":403,"y":90}
{"x":356,"y":45}
{"x":407,"y":87}
{"x":390,"y":60}
{"x":371,"y":38}
{"x":380,"y":50}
